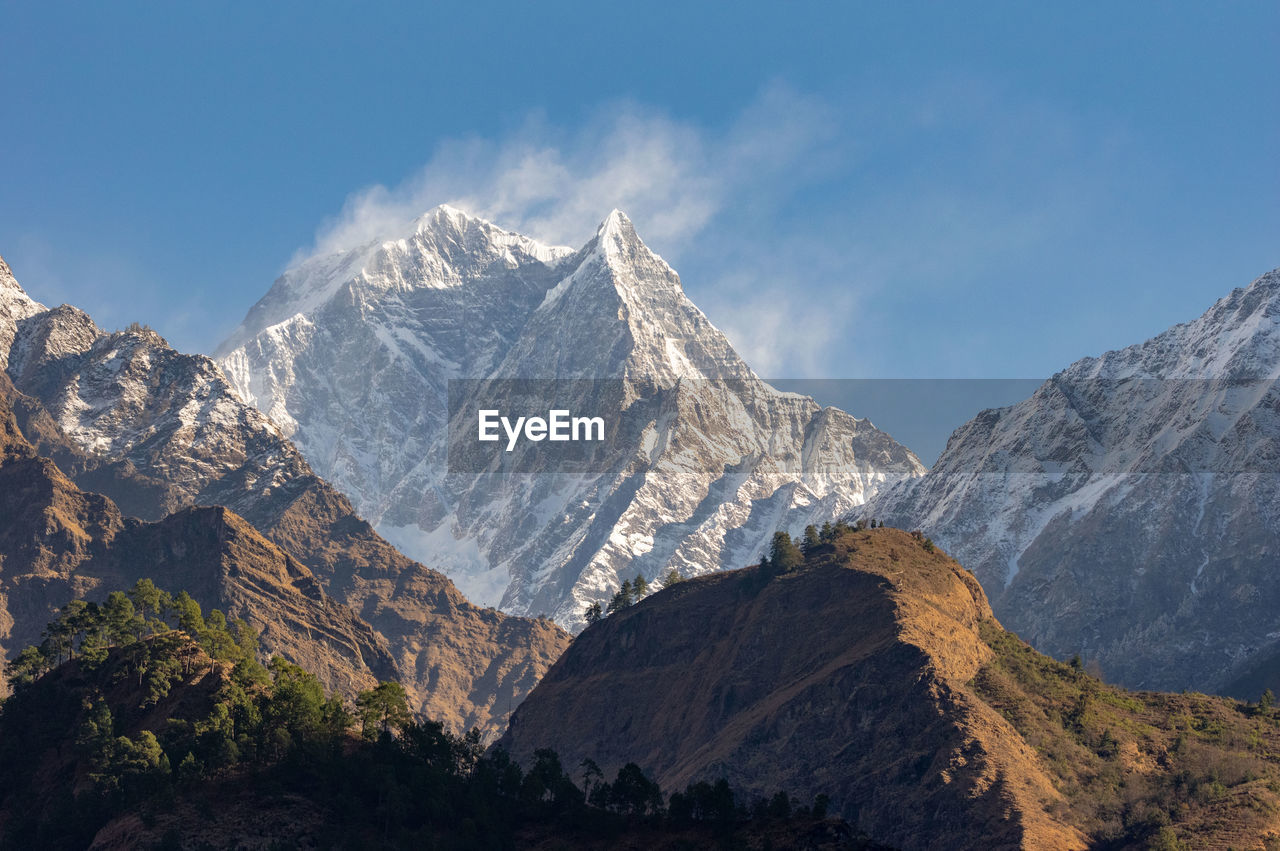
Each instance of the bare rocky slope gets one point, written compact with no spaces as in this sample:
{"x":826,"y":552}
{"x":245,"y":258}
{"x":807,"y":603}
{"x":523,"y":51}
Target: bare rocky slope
{"x":366,"y":358}
{"x":157,"y":431}
{"x":877,"y":674}
{"x":1129,"y":510}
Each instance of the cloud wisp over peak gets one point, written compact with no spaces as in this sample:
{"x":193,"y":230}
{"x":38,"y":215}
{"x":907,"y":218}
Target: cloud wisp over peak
{"x":554,"y":183}
{"x":800,"y":223}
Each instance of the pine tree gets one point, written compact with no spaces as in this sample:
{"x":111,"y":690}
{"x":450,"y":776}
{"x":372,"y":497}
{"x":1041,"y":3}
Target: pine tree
{"x":66,"y":629}
{"x":26,"y":668}
{"x":383,"y":707}
{"x":622,"y":599}
{"x":593,"y":614}
{"x":96,"y":732}
{"x":91,"y":623}
{"x":146,"y":599}
{"x":784,"y":555}
{"x":639,"y":587}
{"x":811,"y":541}
{"x":59,"y":637}
{"x":190,"y":618}
{"x":123,"y":624}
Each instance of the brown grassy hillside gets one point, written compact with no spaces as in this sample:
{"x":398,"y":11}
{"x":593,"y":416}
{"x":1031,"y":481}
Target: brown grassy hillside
{"x":877,"y":674}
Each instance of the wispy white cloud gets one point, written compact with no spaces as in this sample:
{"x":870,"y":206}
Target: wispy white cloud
{"x":778,"y":334}
{"x":677,"y":180}
{"x":672,"y":177}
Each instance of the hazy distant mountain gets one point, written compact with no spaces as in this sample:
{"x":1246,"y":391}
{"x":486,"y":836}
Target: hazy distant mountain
{"x":1129,"y":510}
{"x":157,"y":431}
{"x":353,"y":355}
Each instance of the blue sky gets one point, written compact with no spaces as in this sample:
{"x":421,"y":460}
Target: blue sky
{"x":919,"y":190}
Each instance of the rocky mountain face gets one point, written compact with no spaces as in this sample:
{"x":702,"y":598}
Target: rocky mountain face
{"x":58,"y":543}
{"x":157,"y":431}
{"x":1129,"y":510}
{"x":876,"y":674}
{"x":363,"y":358}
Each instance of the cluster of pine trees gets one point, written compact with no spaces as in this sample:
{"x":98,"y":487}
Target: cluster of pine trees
{"x":138,"y":621}
{"x":631,"y":592}
{"x":129,"y":652}
{"x":786,"y":555}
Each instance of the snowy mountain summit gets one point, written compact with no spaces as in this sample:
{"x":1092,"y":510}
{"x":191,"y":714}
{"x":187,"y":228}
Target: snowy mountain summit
{"x":353,"y":354}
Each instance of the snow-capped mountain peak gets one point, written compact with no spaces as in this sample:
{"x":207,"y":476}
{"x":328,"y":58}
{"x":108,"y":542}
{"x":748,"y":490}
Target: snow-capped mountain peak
{"x":441,"y":249}
{"x":616,"y":234}
{"x":459,"y":237}
{"x":7,"y":281}
{"x":713,"y":461}
{"x":11,"y":292}
{"x":446,"y":215}
{"x":621,"y":312}
{"x":618,"y":244}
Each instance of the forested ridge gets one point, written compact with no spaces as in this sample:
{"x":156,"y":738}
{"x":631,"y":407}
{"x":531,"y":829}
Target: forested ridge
{"x":138,"y":712}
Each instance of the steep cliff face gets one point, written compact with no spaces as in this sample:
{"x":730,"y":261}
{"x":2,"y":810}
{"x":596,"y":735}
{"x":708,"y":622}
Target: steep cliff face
{"x":354,"y":355}
{"x":157,"y":431}
{"x":876,"y":674}
{"x":1129,"y":510}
